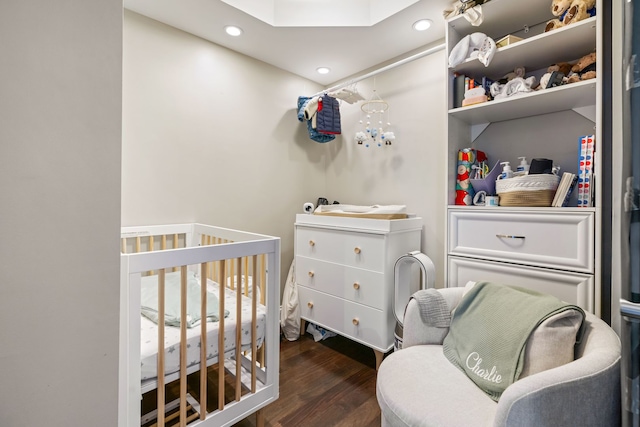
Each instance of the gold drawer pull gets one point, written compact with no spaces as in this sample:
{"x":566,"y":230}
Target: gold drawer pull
{"x":508,"y":236}
{"x":310,"y":304}
{"x":356,"y":286}
{"x":356,"y":322}
{"x":312,"y":243}
{"x":357,"y":250}
{"x":311,"y":274}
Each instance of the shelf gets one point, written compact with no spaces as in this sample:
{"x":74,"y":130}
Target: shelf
{"x":561,"y":98}
{"x":504,"y":17}
{"x":538,"y":52}
{"x":522,"y":209}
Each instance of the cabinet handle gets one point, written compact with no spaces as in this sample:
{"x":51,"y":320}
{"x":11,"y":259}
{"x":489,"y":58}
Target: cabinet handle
{"x":312,"y":243}
{"x":310,"y":304}
{"x":356,"y":322}
{"x":508,"y":236}
{"x":357,"y":250}
{"x":356,"y":286}
{"x":311,"y":274}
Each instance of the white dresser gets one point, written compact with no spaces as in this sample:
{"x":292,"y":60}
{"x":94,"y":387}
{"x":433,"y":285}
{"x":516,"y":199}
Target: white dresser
{"x":550,"y":251}
{"x":345,"y":274}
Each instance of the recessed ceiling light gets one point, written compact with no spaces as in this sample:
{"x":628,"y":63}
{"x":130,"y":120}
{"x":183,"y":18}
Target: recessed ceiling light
{"x":232,"y":30}
{"x":422,"y":24}
{"x":323,"y":70}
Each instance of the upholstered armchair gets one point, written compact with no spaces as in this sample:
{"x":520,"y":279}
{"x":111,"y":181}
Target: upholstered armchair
{"x":419,"y":386}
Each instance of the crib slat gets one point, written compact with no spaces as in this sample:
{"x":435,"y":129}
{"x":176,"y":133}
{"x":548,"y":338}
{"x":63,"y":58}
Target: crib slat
{"x":263,"y":283}
{"x":263,"y":277}
{"x":151,"y":250}
{"x":203,"y":341}
{"x":137,"y":244}
{"x":124,"y":245}
{"x":221,"y":282}
{"x":232,"y":282}
{"x":183,"y":346}
{"x":254,"y":305}
{"x":239,"y":331}
{"x":160,"y":374}
{"x":246,"y":277}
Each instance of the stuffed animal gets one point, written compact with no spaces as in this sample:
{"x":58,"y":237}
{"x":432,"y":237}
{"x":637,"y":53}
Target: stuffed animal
{"x":579,"y":10}
{"x":558,"y":9}
{"x":584,"y":69}
{"x":569,"y":11}
{"x":388,"y":137}
{"x":560,"y":67}
{"x":361,"y":137}
{"x":464,"y":189}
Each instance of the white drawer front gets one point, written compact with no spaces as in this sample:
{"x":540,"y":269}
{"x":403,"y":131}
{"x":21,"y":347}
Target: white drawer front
{"x":360,"y":250}
{"x":574,"y":288}
{"x":364,"y":324}
{"x":555,"y":240}
{"x":354,"y":284}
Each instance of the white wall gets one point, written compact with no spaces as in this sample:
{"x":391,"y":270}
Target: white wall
{"x":60,"y":142}
{"x":412,"y":170}
{"x":212,"y":136}
{"x":224,"y":126}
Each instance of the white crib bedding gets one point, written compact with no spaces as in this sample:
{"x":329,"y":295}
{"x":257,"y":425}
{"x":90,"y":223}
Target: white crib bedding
{"x":149,"y":337}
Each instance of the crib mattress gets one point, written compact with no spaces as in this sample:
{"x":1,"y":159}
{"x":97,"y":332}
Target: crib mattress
{"x":149,"y":337}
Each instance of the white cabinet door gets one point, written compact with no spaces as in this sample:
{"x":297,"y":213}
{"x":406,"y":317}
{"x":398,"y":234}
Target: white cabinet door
{"x":573,"y":288}
{"x":555,"y":240}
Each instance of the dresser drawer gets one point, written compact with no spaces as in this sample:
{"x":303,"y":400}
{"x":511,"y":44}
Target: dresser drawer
{"x":354,"y":284}
{"x":554,"y":240}
{"x":360,"y":323}
{"x":362,"y":250}
{"x":574,"y":288}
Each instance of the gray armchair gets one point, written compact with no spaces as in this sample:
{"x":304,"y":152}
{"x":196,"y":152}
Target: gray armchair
{"x":418,"y":386}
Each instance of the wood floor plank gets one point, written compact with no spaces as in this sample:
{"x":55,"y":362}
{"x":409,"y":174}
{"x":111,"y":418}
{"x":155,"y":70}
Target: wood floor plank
{"x":324,"y":384}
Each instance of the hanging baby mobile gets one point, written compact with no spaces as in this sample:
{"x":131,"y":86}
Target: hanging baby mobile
{"x":375,"y":119}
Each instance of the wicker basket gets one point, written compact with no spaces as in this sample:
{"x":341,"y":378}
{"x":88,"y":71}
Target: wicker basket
{"x":527,"y":190}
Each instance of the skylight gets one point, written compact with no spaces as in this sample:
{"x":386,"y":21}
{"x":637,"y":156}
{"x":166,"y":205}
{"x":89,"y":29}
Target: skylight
{"x":321,"y":13}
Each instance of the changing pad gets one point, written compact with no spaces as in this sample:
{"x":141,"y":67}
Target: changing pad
{"x":374,"y":212}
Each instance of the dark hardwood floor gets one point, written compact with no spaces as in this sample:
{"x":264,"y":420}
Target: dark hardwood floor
{"x":324,"y":384}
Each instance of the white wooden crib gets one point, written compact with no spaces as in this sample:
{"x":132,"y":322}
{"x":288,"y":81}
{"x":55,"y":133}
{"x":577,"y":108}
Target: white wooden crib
{"x":243,"y":271}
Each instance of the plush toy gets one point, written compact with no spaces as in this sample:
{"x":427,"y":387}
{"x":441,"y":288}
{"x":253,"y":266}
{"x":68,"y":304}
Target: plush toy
{"x":361,"y":137}
{"x":558,"y":9}
{"x":517,"y":72}
{"x":561,"y":67}
{"x":584,"y":69}
{"x":569,"y":11}
{"x":388,"y":137}
{"x":579,"y":10}
{"x":464,"y":190}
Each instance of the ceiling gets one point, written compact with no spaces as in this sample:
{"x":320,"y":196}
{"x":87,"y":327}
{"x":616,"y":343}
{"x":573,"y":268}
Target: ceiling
{"x":349,"y":37}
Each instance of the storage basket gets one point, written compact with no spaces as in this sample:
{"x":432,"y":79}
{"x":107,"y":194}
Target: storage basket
{"x":527,"y":190}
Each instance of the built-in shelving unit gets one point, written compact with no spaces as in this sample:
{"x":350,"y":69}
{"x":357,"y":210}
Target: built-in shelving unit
{"x":545,"y":123}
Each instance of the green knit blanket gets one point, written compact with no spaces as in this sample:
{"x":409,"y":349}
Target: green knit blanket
{"x":489,"y":331}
